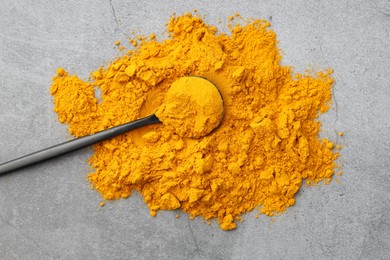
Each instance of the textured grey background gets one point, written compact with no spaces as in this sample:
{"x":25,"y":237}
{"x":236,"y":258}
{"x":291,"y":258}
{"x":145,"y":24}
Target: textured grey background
{"x":48,"y":211}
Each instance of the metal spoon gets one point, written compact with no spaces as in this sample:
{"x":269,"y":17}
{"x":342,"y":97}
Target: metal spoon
{"x":78,"y":143}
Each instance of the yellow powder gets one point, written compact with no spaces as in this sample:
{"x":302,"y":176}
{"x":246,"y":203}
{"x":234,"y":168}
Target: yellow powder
{"x":192,"y":107}
{"x":265,"y":147}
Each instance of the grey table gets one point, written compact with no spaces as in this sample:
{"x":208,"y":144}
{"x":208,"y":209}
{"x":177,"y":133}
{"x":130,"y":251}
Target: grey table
{"x":49,"y":212}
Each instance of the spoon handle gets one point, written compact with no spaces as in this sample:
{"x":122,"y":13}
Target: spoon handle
{"x":75,"y":144}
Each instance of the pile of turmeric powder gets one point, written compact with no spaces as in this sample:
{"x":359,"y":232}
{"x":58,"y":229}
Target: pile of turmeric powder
{"x":258,"y":157}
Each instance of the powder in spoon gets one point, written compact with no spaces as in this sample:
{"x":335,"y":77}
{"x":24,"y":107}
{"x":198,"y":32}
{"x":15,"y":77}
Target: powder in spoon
{"x":193,"y":107}
{"x":259,"y":156}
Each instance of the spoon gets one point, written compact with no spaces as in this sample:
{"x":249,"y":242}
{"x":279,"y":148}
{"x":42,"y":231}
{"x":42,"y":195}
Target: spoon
{"x":82,"y":142}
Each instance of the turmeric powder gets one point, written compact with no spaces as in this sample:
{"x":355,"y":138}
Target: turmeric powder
{"x":192,"y":106}
{"x":266,"y":145}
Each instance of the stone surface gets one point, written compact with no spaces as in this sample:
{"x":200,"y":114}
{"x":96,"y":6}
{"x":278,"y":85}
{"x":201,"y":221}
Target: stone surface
{"x":48,"y":211}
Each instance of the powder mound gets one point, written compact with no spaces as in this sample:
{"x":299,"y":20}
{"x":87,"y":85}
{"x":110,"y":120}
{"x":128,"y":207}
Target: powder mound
{"x":193,"y":107}
{"x":265,"y":147}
